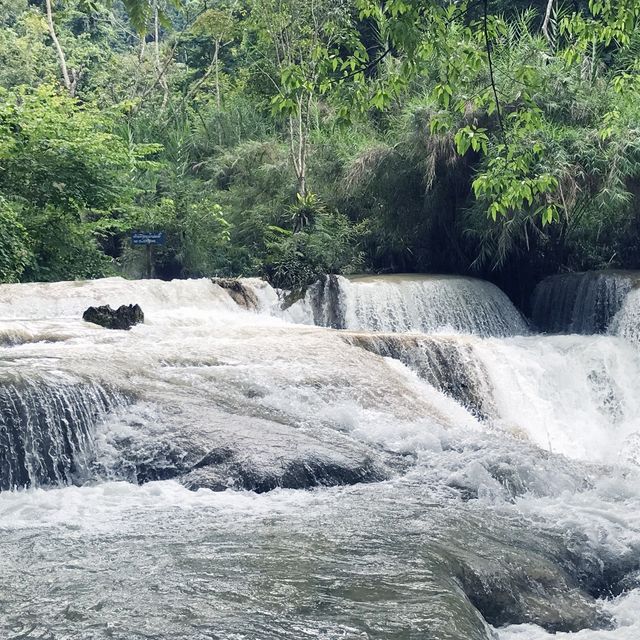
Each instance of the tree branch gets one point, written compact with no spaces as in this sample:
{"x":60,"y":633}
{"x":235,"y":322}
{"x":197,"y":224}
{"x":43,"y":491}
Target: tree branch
{"x":161,"y":72}
{"x":68,"y":82}
{"x":547,"y":18}
{"x":463,"y":12}
{"x":492,"y":78}
{"x":368,"y":66}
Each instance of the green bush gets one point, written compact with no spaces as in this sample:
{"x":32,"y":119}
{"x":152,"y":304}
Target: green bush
{"x":15,"y":250}
{"x":63,"y":248}
{"x":327,"y":245}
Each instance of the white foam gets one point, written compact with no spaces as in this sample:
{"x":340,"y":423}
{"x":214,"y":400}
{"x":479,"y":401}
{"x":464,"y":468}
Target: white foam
{"x":70,"y":299}
{"x":625,"y":611}
{"x":627,"y":321}
{"x":423,"y":303}
{"x":569,"y":394}
{"x":110,"y":505}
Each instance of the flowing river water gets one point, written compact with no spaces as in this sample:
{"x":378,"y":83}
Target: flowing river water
{"x":389,"y":458}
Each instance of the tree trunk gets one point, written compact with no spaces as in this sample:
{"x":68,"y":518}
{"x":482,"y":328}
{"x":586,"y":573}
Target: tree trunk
{"x":70,"y":80}
{"x":302,"y":185}
{"x":545,"y":23}
{"x":298,"y":134}
{"x":217,"y":71}
{"x":298,"y":146}
{"x":212,"y":68}
{"x":160,"y":70}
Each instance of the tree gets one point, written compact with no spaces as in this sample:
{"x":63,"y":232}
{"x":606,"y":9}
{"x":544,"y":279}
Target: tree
{"x":56,"y":151}
{"x":15,"y":250}
{"x":294,"y":41}
{"x":69,"y":77}
{"x":460,"y":40}
{"x":64,"y":172}
{"x":219,"y":26}
{"x":290,"y":138}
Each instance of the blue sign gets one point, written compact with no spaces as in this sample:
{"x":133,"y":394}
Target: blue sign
{"x":148,"y":237}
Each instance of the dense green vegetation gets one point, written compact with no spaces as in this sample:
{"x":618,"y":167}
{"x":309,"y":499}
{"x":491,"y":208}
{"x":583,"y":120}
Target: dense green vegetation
{"x":287,"y":138}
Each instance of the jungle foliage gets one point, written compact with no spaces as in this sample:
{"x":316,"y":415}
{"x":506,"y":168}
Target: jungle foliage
{"x":289,"y":138}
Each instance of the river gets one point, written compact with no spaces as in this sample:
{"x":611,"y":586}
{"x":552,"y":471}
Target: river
{"x":390,"y":458}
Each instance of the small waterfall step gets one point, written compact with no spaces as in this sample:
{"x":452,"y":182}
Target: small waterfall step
{"x":414,"y":303}
{"x":447,"y":363}
{"x":47,"y":429}
{"x":583,"y":303}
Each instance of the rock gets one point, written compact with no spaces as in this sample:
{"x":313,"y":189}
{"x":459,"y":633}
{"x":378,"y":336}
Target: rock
{"x":242,"y":295}
{"x":529,"y":588}
{"x":514,"y":572}
{"x":218,"y":474}
{"x":123,"y":318}
{"x":206,"y":447}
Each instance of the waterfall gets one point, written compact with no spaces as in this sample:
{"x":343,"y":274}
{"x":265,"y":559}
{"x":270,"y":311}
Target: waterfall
{"x":389,"y":304}
{"x":583,"y":303}
{"x":47,"y":429}
{"x":419,"y":451}
{"x":70,"y":299}
{"x":567,"y":394}
{"x":447,"y":363}
{"x":404,"y":303}
{"x":572,"y":395}
{"x":627,"y":321}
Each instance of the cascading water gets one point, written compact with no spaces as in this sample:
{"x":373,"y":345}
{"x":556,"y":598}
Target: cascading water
{"x":47,"y":429}
{"x":584,"y":303}
{"x":446,"y":363}
{"x":404,"y":303}
{"x":470,"y":481}
{"x":626,"y":323}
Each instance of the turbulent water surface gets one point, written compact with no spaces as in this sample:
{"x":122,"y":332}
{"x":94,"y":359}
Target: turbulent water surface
{"x":420,"y":465}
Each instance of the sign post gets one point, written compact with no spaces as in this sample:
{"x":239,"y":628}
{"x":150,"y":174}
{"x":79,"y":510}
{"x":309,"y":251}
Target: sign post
{"x":148,"y":239}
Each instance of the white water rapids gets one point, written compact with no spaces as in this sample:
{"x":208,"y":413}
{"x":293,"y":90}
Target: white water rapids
{"x":428,"y":469}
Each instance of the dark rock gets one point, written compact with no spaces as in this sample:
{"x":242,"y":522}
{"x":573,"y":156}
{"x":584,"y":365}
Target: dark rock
{"x":122,"y":318}
{"x":242,"y":295}
{"x":623,"y":585}
{"x":603,"y":573}
{"x":219,"y":474}
{"x":327,"y":303}
{"x":531,"y":589}
{"x":209,"y":448}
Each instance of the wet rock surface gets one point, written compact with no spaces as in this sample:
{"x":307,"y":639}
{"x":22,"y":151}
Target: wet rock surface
{"x":241,"y":294}
{"x":518,"y":588}
{"x":234,"y":452}
{"x":327,"y":303}
{"x":294,"y":474}
{"x":122,"y":318}
{"x":444,"y":363}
